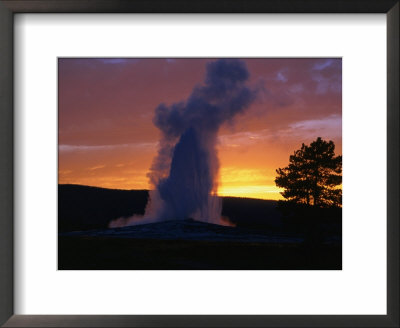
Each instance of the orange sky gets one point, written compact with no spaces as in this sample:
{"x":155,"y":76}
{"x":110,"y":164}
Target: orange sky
{"x":106,"y":106}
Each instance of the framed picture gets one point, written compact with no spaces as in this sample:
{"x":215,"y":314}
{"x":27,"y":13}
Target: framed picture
{"x":160,"y":165}
{"x":213,"y":203}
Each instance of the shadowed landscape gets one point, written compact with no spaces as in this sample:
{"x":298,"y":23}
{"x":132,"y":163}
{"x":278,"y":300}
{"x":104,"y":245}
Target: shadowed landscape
{"x":260,"y":239}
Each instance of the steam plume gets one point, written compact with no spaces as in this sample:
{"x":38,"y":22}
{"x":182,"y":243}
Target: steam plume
{"x":185,"y":170}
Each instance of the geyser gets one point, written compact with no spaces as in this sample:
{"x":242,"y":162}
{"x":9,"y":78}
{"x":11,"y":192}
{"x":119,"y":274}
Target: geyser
{"x":184,"y":173}
{"x":185,"y":170}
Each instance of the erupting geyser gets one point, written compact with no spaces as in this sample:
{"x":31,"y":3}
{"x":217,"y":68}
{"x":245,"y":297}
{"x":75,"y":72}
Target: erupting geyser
{"x":185,"y":170}
{"x":184,"y":173}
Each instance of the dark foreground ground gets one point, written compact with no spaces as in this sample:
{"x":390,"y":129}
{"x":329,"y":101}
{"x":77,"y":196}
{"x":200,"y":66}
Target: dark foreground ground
{"x":262,"y":239}
{"x":105,"y":253}
{"x":193,"y":245}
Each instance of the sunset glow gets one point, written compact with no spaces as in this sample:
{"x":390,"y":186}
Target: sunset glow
{"x":107,"y":137}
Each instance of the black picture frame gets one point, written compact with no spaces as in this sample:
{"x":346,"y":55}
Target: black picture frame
{"x":10,"y":7}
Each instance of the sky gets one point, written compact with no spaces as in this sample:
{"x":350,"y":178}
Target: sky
{"x":106,"y":106}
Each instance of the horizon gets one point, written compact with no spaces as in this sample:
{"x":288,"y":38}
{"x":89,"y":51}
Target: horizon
{"x":120,"y":189}
{"x":107,"y":138}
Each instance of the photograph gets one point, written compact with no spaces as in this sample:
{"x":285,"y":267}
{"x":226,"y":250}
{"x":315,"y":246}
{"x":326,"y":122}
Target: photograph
{"x":199,"y":163}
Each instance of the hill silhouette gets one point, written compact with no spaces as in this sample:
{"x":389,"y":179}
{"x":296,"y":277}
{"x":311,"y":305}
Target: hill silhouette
{"x":86,"y":208}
